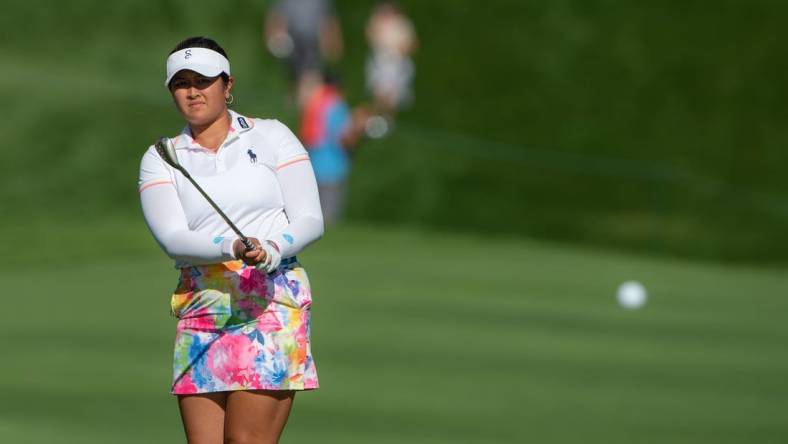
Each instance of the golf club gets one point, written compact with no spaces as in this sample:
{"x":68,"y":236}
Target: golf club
{"x":166,"y":150}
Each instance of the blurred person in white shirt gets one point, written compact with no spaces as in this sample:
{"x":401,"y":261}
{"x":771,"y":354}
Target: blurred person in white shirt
{"x":389,"y":68}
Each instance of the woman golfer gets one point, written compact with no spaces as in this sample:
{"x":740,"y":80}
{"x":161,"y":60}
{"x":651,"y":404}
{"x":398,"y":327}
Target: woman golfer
{"x":242,"y":342}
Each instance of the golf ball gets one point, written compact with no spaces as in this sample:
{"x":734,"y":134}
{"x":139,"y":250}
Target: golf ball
{"x":632,"y":295}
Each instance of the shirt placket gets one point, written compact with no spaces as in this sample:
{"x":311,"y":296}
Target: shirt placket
{"x":221,"y":153}
{"x":219,"y":160}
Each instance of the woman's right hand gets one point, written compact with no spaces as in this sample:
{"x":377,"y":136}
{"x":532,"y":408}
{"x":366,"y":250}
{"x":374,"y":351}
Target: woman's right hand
{"x":250,"y":257}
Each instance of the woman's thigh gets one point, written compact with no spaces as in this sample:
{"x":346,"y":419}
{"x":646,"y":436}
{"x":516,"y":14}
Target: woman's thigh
{"x":203,"y":417}
{"x":257,"y":416}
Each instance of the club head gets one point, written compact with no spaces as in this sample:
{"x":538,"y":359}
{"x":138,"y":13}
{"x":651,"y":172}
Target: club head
{"x":166,"y":150}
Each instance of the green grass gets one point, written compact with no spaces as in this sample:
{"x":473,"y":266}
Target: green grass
{"x":419,"y":337}
{"x":654,"y":127}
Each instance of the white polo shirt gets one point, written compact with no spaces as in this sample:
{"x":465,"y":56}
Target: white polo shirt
{"x":260,"y":177}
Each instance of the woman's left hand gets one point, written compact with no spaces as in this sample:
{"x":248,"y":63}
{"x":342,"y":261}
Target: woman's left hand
{"x":272,"y":257}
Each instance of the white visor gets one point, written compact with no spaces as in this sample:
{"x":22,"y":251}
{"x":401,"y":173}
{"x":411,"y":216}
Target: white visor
{"x":200,"y":60}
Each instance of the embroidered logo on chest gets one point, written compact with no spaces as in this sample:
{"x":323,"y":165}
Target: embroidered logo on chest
{"x":252,"y":156}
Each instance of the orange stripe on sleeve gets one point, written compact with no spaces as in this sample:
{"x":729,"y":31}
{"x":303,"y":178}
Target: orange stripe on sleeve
{"x":292,"y":161}
{"x":153,"y":184}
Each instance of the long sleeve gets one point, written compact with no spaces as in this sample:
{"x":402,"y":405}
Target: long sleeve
{"x":302,"y":206}
{"x":165,"y":218}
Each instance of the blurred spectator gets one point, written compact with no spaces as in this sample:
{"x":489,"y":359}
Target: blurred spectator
{"x":389,"y":71}
{"x":328,"y":131}
{"x":304,"y":33}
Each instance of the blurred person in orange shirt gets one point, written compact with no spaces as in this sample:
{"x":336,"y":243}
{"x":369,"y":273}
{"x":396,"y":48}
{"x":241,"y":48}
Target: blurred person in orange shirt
{"x":329,"y":130}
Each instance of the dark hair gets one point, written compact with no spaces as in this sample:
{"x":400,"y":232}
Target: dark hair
{"x":202,"y":42}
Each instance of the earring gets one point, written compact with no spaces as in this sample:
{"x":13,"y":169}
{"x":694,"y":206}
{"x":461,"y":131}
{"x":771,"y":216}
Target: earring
{"x":229,"y":100}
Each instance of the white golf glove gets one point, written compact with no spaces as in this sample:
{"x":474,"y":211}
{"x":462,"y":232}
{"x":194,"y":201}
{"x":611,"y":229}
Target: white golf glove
{"x":272,"y":257}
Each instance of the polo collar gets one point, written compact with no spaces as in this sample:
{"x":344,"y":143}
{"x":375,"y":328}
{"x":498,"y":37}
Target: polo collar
{"x":238,"y":124}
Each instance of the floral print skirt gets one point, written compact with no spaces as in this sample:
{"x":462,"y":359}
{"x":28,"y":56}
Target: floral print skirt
{"x":242,"y":329}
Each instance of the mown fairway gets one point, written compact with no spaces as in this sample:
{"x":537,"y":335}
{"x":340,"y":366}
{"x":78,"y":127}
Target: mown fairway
{"x":420,"y":338}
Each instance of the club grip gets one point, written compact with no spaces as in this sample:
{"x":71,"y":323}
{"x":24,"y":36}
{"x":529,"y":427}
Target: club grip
{"x":248,"y":244}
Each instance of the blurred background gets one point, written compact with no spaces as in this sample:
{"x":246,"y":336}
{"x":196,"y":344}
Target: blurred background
{"x":545,"y":153}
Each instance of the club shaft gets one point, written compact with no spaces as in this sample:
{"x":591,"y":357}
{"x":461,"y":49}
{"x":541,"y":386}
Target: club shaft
{"x":244,"y":239}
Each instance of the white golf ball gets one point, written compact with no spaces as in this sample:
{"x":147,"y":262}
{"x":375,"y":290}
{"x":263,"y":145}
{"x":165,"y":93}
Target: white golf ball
{"x":632,"y":295}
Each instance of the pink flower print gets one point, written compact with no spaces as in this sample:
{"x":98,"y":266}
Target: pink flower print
{"x":302,"y":330}
{"x":232,"y":359}
{"x":185,"y":385}
{"x":253,"y":282}
{"x":269,"y":323}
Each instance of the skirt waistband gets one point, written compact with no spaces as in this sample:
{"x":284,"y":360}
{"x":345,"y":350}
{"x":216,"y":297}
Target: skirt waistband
{"x":288,"y":261}
{"x":233,"y":266}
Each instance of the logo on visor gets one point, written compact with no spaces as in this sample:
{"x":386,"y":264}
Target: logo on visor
{"x":252,"y":156}
{"x":188,"y":54}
